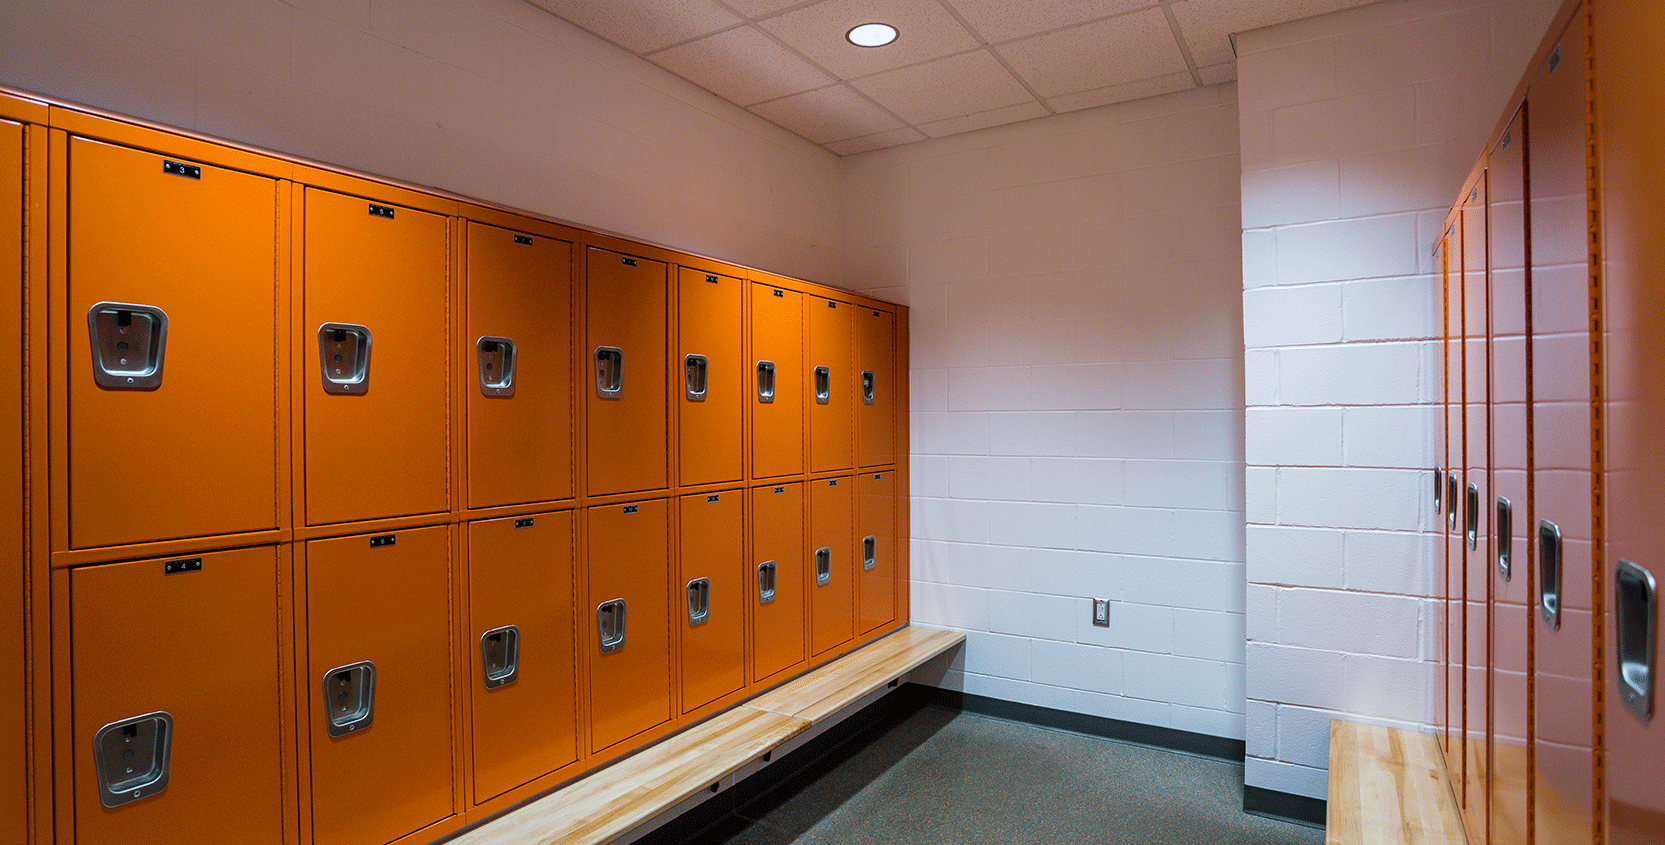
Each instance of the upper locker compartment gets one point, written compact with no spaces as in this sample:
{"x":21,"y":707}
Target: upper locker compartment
{"x":627,"y":423}
{"x":710,"y":392}
{"x":831,"y":397}
{"x":172,"y":348}
{"x":518,"y":367}
{"x":374,"y":341}
{"x":875,"y":387}
{"x":777,"y":317}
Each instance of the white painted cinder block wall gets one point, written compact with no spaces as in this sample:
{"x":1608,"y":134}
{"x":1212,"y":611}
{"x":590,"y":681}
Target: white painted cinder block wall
{"x":494,"y":99}
{"x":1077,"y":400}
{"x":1357,"y":130}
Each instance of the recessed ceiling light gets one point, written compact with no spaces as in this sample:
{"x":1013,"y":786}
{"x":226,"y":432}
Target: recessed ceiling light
{"x":872,"y":35}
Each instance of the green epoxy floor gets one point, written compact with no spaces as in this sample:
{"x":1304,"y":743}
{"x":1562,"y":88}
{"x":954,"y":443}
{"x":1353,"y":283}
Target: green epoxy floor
{"x":938,"y":777}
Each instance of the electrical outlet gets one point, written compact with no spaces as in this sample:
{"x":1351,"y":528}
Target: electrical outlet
{"x":1101,"y":613}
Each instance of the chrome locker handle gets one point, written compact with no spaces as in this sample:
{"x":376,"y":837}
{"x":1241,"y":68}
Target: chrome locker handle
{"x":609,"y":623}
{"x":344,"y":358}
{"x":496,"y":356}
{"x":823,"y":566}
{"x":128,"y":342}
{"x":500,"y":656}
{"x":1473,"y":510}
{"x":766,"y":582}
{"x":869,"y":551}
{"x":867,"y":387}
{"x":823,"y":385}
{"x":1636,"y":614}
{"x":695,"y":370}
{"x":1439,"y":489}
{"x":349,"y":698}
{"x":699,"y":601}
{"x":1549,"y":573}
{"x":132,"y":756}
{"x":609,"y":372}
{"x":1451,"y":502}
{"x":766,"y":381}
{"x":1505,"y":537}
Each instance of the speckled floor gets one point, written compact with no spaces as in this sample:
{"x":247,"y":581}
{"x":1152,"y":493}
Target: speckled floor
{"x":944,"y":777}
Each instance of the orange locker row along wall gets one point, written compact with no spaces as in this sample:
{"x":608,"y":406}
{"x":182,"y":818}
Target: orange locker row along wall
{"x":356,"y":512}
{"x":1553,"y":480}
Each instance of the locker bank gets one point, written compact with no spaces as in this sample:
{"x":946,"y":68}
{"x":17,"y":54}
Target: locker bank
{"x":426,"y":405}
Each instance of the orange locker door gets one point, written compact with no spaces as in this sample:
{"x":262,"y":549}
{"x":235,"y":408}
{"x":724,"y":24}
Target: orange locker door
{"x":832,"y":590}
{"x":876,"y":549}
{"x":776,"y":578}
{"x":777,"y":388}
{"x":1477,"y":514}
{"x":378,"y":685}
{"x":624,"y":618}
{"x":711,"y":392}
{"x":711,"y":610}
{"x":875,"y":387}
{"x":627,"y":426}
{"x":518,"y":367}
{"x":1510,"y":562}
{"x":172,"y":348}
{"x":14,"y":760}
{"x":833,"y":392}
{"x":176,"y":700}
{"x":375,"y":345}
{"x":1564,"y":656}
{"x":1455,"y":639}
{"x":524,"y":722}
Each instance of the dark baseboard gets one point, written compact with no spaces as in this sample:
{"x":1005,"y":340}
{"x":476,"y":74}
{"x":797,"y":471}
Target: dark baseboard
{"x":1169,"y":738}
{"x":1283,"y":806}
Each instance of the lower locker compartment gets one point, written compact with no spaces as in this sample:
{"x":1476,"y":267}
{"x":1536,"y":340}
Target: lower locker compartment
{"x":876,"y":546}
{"x":832,"y":590}
{"x":776,"y":576}
{"x":711,"y":610}
{"x":524,"y":717}
{"x":627,"y":632}
{"x":377,"y":689}
{"x":175,"y":690}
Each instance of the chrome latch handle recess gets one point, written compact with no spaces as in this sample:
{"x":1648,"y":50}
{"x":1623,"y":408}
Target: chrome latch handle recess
{"x":823,"y":566}
{"x":609,"y":372}
{"x":765,"y":382}
{"x":131,"y":757}
{"x":766,"y":582}
{"x":128,"y":345}
{"x":699,"y":601}
{"x":350,"y":698}
{"x":695,"y":369}
{"x":609,"y":623}
{"x":500,"y":656}
{"x":344,"y":358}
{"x":496,"y":357}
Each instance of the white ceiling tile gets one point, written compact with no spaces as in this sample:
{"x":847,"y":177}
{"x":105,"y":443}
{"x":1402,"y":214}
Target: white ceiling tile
{"x":742,"y":66}
{"x":1004,"y":20}
{"x":1216,"y":74}
{"x":829,"y":114}
{"x":759,"y":8}
{"x":1207,"y":25}
{"x":642,"y":26}
{"x":983,"y":120}
{"x":879,"y":141}
{"x":1167,"y":84}
{"x":952,"y":87}
{"x":925,"y":31}
{"x":1111,"y":52}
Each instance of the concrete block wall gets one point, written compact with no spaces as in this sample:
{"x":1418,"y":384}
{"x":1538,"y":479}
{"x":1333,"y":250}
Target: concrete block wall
{"x":1077,"y":376}
{"x":1357,"y":130}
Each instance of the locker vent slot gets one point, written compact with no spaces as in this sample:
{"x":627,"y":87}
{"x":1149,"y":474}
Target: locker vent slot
{"x":695,"y":369}
{"x":496,"y":356}
{"x":609,"y":625}
{"x":1439,"y":489}
{"x":174,"y":567}
{"x":525,"y":522}
{"x":383,"y":540}
{"x":523,"y":240}
{"x":1472,"y":532}
{"x":823,"y":566}
{"x":867,"y":387}
{"x":766,"y":582}
{"x":500,"y":656}
{"x":699,"y":601}
{"x":711,"y":278}
{"x":128,"y":342}
{"x":349,"y":698}
{"x":766,"y":382}
{"x":381,"y":211}
{"x":1450,"y":501}
{"x":629,"y":262}
{"x":344,"y":358}
{"x":132,"y":756}
{"x":1636,"y":609}
{"x":609,"y":372}
{"x":1505,"y":537}
{"x":1549,"y":573}
{"x":179,"y":168}
{"x":823,"y":385}
{"x":869,"y":552}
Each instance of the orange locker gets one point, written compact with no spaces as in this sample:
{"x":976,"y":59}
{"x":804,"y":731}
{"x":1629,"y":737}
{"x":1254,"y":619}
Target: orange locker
{"x":875,"y":387}
{"x":876,"y":542}
{"x":834,"y":388}
{"x":524,"y":721}
{"x":627,"y":632}
{"x":176,"y":699}
{"x":377,"y":688}
{"x":1564,"y":656}
{"x":172,"y":347}
{"x":1510,"y":566}
{"x":518,"y":367}
{"x":1477,"y":513}
{"x":711,"y":609}
{"x":778,"y":382}
{"x":626,"y":310}
{"x":777,"y":577}
{"x":832,"y":591}
{"x":375,"y":344}
{"x":711,"y":394}
{"x":1455,"y":640}
{"x":13,"y":594}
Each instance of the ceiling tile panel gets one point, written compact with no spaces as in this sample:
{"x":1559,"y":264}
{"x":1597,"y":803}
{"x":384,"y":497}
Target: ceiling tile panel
{"x":983,"y":120}
{"x":1207,"y":25}
{"x":1004,"y":20}
{"x":829,"y":114}
{"x":759,"y":8}
{"x":1117,"y":51}
{"x":952,"y":87}
{"x":642,"y":26}
{"x":868,"y":143}
{"x":926,"y":31}
{"x":1122,"y":93}
{"x":743,"y":66}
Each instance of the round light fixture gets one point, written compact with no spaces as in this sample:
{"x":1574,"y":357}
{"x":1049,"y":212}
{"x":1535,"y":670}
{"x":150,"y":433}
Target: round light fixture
{"x":872,"y":35}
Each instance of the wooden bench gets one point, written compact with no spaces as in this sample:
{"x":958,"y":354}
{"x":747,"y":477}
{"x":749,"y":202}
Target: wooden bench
{"x":613,"y":802}
{"x":1389,"y":786}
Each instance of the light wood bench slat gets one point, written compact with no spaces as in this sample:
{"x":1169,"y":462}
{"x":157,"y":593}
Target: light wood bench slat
{"x":1389,"y":786}
{"x":841,"y":683}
